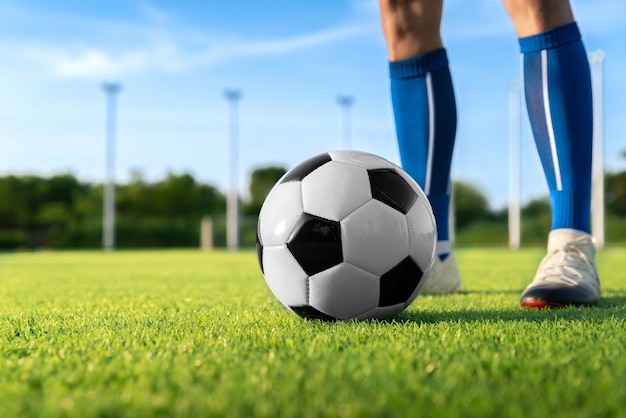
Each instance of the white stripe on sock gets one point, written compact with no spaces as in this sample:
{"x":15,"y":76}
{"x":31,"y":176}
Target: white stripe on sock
{"x":431,"y":132}
{"x":443,"y":247}
{"x":546,"y":106}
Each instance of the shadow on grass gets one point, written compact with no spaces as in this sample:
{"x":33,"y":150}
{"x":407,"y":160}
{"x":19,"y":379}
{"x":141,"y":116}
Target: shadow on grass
{"x":618,"y":301}
{"x":486,"y":292}
{"x":610,"y":307}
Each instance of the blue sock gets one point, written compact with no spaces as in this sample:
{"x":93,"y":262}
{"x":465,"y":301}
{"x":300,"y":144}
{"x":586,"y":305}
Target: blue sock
{"x":424,"y":109}
{"x":557,"y":85}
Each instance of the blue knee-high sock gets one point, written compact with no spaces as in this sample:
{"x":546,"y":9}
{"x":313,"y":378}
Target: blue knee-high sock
{"x":424,"y":109}
{"x":557,"y":85}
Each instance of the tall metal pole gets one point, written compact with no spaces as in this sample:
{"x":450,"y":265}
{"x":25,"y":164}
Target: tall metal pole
{"x":597,"y":178}
{"x":108,"y":221}
{"x":232,"y":203}
{"x":451,"y":214}
{"x":345,"y":103}
{"x":514,"y":165}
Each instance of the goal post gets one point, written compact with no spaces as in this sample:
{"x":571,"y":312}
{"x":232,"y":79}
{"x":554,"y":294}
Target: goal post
{"x":514,"y":217}
{"x":206,"y":233}
{"x":596,"y":59}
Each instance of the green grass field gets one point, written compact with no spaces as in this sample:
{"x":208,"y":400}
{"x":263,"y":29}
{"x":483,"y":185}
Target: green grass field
{"x":184,"y":333}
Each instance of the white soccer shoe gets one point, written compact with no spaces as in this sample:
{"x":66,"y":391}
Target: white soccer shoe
{"x":444,"y":277}
{"x":567,"y":275}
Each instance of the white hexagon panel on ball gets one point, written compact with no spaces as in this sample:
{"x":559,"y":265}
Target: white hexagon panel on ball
{"x":344,"y":291}
{"x":284,"y":276}
{"x":375,"y":237}
{"x":361,"y":159}
{"x":280,"y":213}
{"x":334,"y":190}
{"x":422,"y":233}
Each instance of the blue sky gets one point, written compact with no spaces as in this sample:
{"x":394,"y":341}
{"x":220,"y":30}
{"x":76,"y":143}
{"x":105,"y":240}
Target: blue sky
{"x":290,"y":59}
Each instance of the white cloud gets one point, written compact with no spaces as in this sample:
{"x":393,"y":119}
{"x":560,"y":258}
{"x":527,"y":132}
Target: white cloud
{"x":153,"y":13}
{"x":153,"y":48}
{"x":366,"y":6}
{"x":236,"y":48}
{"x":95,"y":63}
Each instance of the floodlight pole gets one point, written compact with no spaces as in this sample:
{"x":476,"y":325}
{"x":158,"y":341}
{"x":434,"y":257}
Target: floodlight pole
{"x":232,"y":203}
{"x":108,"y":221}
{"x":596,"y":59}
{"x":514,"y":165}
{"x":345,"y":104}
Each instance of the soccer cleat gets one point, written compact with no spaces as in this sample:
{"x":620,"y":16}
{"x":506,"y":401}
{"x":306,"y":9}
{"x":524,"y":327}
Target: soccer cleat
{"x":444,"y":277}
{"x":567,"y":275}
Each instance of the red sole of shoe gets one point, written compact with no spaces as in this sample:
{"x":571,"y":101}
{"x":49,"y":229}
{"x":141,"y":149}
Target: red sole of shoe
{"x":540,"y":304}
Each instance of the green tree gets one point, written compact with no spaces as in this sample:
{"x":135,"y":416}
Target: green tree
{"x":537,"y":208}
{"x":615,"y":194}
{"x":59,"y":196}
{"x":175,"y":197}
{"x":261,"y":182}
{"x":19,"y":199}
{"x":536,"y":220}
{"x":32,"y":199}
{"x":470,"y":204}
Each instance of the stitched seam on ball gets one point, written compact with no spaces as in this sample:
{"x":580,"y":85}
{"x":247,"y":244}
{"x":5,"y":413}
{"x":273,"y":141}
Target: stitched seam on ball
{"x":302,"y":198}
{"x":408,"y":233}
{"x":357,"y":208}
{"x":353,"y":164}
{"x":308,"y":278}
{"x":308,"y":290}
{"x":361,"y":268}
{"x":293,"y":228}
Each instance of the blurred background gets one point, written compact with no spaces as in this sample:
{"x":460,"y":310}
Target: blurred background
{"x":214,"y":94}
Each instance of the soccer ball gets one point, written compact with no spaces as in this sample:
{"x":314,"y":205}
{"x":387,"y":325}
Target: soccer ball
{"x":346,"y":235}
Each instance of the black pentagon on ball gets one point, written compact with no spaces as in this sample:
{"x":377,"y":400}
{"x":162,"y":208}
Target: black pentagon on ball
{"x":309,"y":312}
{"x":305,"y":168}
{"x":389,"y":187}
{"x":315,"y":243}
{"x":399,"y":283}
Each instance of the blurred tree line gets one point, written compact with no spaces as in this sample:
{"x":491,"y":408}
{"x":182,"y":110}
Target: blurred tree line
{"x":63,"y":212}
{"x":476,"y":223}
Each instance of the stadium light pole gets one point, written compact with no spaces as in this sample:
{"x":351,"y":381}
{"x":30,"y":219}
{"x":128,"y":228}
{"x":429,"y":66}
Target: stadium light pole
{"x":108,"y":218}
{"x":596,"y":59}
{"x":345,"y":104}
{"x":452,"y":215}
{"x":514,"y":165}
{"x":232,"y":203}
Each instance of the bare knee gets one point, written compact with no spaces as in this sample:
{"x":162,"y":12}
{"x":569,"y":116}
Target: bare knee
{"x":531,"y":17}
{"x":411,"y":27}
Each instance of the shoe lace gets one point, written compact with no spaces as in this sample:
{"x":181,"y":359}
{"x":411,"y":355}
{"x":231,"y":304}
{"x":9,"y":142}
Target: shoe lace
{"x":568,"y":264}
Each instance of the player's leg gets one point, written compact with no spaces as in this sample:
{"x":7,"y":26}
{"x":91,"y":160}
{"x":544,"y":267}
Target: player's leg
{"x":558,"y":96}
{"x":425,"y":115}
